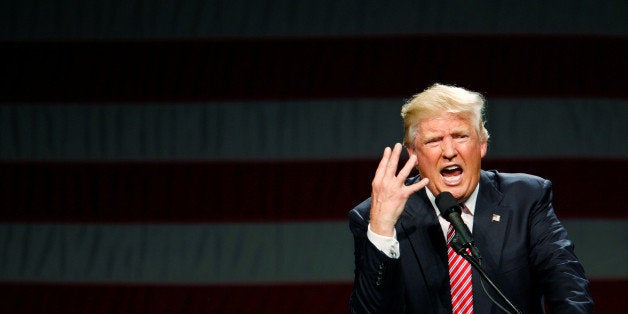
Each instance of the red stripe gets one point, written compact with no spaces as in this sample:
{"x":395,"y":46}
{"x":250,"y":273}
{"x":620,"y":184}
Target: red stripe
{"x":298,"y":68}
{"x":255,"y":191}
{"x":330,"y":298}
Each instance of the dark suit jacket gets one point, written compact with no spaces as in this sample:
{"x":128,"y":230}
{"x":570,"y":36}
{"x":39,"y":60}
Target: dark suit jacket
{"x":526,"y":253}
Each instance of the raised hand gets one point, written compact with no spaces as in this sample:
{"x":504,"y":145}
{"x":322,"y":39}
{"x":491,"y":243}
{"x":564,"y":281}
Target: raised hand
{"x":389,"y":193}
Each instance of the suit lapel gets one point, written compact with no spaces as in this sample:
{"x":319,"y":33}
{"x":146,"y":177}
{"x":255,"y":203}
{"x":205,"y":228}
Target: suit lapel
{"x":425,"y":237}
{"x":490,"y":222}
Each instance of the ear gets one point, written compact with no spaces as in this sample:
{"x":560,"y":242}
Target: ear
{"x":483,"y":147}
{"x":412,"y":152}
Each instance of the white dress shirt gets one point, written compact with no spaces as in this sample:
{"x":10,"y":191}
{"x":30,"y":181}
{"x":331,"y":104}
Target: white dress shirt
{"x":390,"y":245}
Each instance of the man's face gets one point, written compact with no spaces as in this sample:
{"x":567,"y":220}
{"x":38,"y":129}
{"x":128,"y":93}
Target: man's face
{"x":449,"y":153}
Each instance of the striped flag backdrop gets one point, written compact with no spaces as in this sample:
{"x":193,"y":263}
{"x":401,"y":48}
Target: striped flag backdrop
{"x":202,"y":156}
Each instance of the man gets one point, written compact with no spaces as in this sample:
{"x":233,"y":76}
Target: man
{"x":400,"y":238}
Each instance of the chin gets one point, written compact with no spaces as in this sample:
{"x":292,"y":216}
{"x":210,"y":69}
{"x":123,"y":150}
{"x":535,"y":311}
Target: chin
{"x":457,"y":191}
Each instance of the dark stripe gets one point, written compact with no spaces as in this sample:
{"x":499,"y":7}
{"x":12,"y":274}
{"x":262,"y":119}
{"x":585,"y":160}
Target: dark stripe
{"x":608,"y":296}
{"x":137,"y":299}
{"x":298,"y":68}
{"x":256,"y":191}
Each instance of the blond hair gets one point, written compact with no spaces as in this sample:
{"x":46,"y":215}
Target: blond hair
{"x":438,"y":99}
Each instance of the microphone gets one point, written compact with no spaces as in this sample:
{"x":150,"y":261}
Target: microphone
{"x":450,"y":210}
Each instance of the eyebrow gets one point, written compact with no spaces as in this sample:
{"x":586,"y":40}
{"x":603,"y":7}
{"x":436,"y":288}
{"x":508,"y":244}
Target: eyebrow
{"x":432,"y":135}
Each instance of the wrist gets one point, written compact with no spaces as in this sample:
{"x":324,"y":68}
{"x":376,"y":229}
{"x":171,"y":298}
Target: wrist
{"x":383,"y":227}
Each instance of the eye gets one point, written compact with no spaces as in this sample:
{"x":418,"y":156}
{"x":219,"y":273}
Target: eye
{"x":430,"y":142}
{"x":461,"y":137}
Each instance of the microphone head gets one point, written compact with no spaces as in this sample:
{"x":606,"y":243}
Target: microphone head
{"x":446,"y":203}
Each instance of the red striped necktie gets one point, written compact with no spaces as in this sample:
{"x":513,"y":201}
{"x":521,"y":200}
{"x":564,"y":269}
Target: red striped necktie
{"x":459,"y":279}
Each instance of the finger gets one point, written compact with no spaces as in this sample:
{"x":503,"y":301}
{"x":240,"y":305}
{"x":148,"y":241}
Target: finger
{"x":381,"y":168}
{"x":418,"y":185}
{"x":391,"y":169}
{"x":405,"y":171}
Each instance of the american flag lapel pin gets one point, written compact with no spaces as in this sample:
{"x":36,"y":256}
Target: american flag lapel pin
{"x":496,"y":218}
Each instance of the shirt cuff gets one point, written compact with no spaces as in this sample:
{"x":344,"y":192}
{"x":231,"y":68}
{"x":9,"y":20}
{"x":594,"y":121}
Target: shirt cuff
{"x":388,"y":245}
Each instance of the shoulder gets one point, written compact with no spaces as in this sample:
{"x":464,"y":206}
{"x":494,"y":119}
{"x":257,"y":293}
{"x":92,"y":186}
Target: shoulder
{"x":362,"y":211}
{"x":516,"y":189}
{"x":505,"y":182}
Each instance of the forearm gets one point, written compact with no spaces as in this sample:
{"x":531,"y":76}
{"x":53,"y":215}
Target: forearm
{"x":562,"y":277}
{"x":378,"y":285}
{"x":560,"y":273}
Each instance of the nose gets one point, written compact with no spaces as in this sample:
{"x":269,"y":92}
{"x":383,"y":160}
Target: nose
{"x":449,"y":148}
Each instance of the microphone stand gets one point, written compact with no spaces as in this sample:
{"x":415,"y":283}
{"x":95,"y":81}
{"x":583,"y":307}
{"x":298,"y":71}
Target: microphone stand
{"x":461,"y":250}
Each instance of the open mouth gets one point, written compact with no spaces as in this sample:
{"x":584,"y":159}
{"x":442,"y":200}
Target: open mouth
{"x":451,"y":175}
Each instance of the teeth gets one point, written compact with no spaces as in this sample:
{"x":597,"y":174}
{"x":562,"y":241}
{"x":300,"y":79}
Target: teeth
{"x":451,"y":168}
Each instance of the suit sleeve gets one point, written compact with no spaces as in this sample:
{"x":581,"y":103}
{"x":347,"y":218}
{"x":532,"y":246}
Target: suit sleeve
{"x":378,"y":285}
{"x":557,"y":269}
